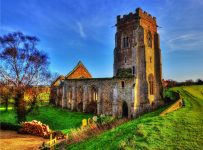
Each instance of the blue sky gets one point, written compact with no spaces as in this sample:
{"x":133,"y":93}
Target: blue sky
{"x":73,"y":30}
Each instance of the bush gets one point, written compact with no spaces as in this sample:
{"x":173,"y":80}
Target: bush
{"x":171,"y":96}
{"x":9,"y":126}
{"x":102,"y":119}
{"x":124,"y":72}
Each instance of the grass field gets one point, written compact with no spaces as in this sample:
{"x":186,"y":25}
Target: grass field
{"x":56,"y":118}
{"x":181,"y":129}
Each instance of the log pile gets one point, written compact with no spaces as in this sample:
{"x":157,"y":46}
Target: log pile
{"x":35,"y":128}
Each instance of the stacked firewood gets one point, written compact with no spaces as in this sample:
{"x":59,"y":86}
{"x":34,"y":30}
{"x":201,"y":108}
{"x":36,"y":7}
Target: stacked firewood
{"x":35,"y":128}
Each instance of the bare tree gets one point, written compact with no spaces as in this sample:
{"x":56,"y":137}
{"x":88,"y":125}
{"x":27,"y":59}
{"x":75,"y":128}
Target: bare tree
{"x":23,"y":66}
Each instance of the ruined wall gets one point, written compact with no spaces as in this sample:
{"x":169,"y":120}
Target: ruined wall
{"x":108,"y":94}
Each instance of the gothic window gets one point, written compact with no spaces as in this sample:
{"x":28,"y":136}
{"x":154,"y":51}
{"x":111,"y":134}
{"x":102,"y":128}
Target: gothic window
{"x":149,"y":39}
{"x":69,"y":95}
{"x":125,"y":60}
{"x":133,"y":70}
{"x":151,"y":84}
{"x":150,"y":59}
{"x":94,"y":94}
{"x":125,"y":42}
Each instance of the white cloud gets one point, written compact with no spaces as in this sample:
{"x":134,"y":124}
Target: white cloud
{"x":185,"y":42}
{"x":81,"y":30}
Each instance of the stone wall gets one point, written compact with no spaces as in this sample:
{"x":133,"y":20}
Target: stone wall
{"x":108,"y":93}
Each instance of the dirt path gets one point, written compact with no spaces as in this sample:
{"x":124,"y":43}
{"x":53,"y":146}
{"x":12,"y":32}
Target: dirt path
{"x":11,"y":140}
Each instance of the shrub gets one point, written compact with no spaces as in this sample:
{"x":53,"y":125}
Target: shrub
{"x":80,"y":134}
{"x":9,"y":126}
{"x":102,"y":119}
{"x":171,"y":96}
{"x":124,"y":72}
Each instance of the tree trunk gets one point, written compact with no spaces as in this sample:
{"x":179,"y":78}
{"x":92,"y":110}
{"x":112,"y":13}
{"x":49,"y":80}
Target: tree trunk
{"x":32,"y":107}
{"x":6,"y":103}
{"x":20,"y":107}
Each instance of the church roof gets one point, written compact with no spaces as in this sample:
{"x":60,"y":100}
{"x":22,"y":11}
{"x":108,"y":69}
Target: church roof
{"x":57,"y":79}
{"x":80,"y":71}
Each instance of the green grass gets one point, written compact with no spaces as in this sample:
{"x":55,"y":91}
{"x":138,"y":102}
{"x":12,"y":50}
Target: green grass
{"x":181,"y":129}
{"x":56,"y":118}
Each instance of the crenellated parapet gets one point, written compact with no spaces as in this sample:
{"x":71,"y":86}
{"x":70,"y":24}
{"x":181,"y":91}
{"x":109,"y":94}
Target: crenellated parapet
{"x":145,"y":15}
{"x":138,"y":14}
{"x":139,"y":17}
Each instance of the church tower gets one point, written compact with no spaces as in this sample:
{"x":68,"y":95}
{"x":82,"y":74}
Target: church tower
{"x":137,"y":53}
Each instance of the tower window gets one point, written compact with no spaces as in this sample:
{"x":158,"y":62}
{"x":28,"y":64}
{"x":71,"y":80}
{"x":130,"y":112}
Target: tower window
{"x":122,"y":84}
{"x":125,"y":42}
{"x":149,"y":39}
{"x":151,"y":84}
{"x":125,"y":60}
{"x":150,"y":59}
{"x":133,"y":69}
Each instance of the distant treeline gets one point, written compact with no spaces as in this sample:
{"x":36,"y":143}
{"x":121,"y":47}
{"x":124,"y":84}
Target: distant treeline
{"x":173,"y":83}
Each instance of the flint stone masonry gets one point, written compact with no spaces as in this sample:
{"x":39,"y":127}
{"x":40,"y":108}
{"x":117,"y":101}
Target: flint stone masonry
{"x":137,"y":73}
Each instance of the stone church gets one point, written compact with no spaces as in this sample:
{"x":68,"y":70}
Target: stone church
{"x":136,"y":85}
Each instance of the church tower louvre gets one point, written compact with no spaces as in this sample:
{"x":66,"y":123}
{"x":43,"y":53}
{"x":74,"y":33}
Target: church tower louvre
{"x":137,"y":53}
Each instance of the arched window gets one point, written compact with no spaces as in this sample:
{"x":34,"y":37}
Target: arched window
{"x":94,"y":94}
{"x":70,"y":95}
{"x":125,"y":42}
{"x":151,"y":84}
{"x":149,"y":39}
